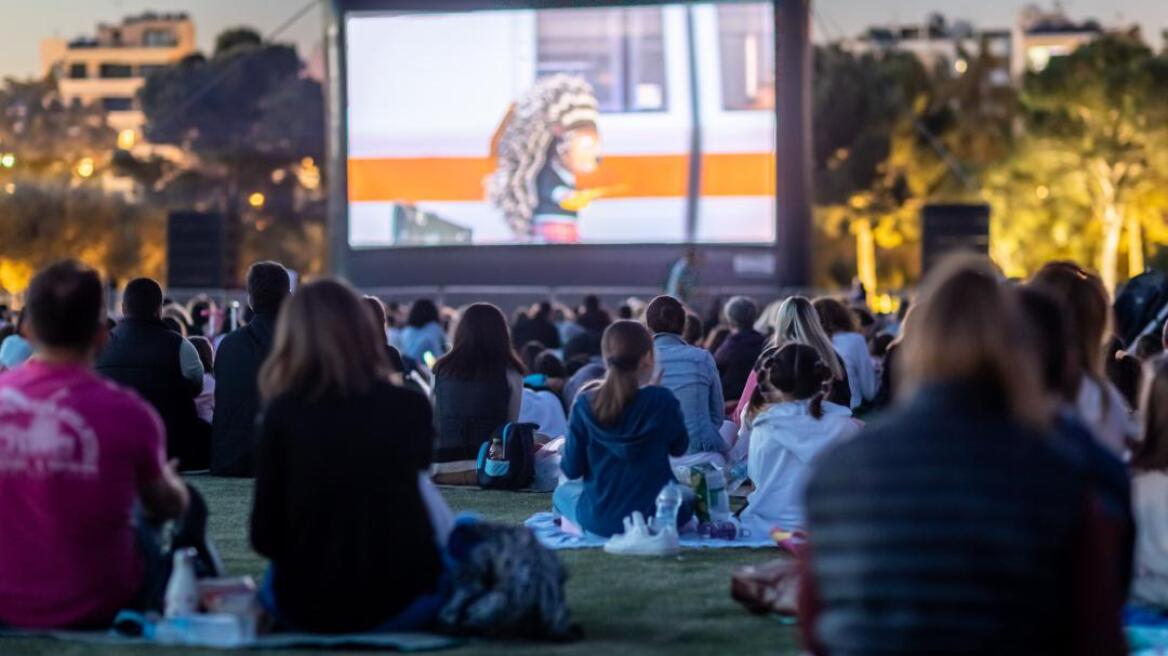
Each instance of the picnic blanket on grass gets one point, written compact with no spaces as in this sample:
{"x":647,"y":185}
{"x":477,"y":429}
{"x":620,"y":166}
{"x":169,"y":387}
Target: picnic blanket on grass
{"x":402,"y":642}
{"x":547,"y":530}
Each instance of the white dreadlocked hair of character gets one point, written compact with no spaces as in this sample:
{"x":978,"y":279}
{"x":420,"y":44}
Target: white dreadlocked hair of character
{"x":553,"y":106}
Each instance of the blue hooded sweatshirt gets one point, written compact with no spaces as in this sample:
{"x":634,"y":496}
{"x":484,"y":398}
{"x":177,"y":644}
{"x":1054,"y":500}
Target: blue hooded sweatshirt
{"x":623,"y":467}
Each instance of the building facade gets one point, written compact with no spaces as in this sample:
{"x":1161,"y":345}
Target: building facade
{"x":109,"y":68}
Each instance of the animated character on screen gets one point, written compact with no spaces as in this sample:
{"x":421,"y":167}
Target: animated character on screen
{"x":547,"y":140}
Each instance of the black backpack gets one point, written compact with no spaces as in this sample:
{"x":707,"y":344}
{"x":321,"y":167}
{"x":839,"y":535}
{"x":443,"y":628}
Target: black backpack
{"x":517,"y":468}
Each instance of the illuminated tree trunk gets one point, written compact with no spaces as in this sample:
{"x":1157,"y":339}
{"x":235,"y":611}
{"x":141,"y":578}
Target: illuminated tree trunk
{"x":865,"y":253}
{"x":1135,"y":245}
{"x":1109,"y":257}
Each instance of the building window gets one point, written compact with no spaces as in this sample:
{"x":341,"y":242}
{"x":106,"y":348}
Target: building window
{"x":117,"y":104}
{"x":159,"y":39}
{"x":620,"y":52}
{"x":146,"y":70}
{"x":746,"y":43}
{"x":116,"y":71}
{"x":78,"y":72}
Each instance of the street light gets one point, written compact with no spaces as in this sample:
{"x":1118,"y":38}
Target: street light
{"x":8,"y":160}
{"x":256,"y":200}
{"x":85,"y":167}
{"x":127,"y":138}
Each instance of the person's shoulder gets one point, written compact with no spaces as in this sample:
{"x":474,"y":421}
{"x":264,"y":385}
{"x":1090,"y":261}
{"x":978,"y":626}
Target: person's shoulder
{"x":121,"y":402}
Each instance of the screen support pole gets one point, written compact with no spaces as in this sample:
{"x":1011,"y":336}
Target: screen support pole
{"x":336,"y":146}
{"x":793,"y":143}
{"x":694,"y":188}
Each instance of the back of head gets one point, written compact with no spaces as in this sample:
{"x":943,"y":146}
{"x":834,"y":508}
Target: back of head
{"x":64,"y":306}
{"x":1050,"y":337}
{"x":530,"y":352}
{"x":325,"y":345}
{"x":797,"y":371}
{"x":966,"y":328}
{"x":543,"y":311}
{"x":376,"y":310}
{"x":625,"y":345}
{"x":834,"y":316}
{"x":741,"y":312}
{"x":1126,"y":373}
{"x":1086,"y":301}
{"x":591,"y":302}
{"x":206,"y":352}
{"x":482,"y":346}
{"x":665,"y":314}
{"x":422,"y":312}
{"x":1151,"y":453}
{"x":548,"y":364}
{"x":268,"y":284}
{"x":142,"y":299}
{"x":797,"y":321}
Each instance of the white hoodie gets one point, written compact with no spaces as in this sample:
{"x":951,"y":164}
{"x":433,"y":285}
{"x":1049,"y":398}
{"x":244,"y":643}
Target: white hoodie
{"x":784,"y":440}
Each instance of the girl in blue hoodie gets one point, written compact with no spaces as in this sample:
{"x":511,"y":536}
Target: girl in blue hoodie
{"x":621,"y":434}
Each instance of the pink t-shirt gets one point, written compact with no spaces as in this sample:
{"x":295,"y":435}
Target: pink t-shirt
{"x":74,"y":449}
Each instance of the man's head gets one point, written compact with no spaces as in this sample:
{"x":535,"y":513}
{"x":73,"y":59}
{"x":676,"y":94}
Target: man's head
{"x":142,"y":299}
{"x":665,"y":314}
{"x":741,"y":313}
{"x":268,"y":284}
{"x":64,"y":308}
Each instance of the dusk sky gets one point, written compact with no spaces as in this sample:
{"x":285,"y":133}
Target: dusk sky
{"x":23,"y":23}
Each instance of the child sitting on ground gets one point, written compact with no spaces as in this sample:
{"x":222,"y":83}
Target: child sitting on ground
{"x":1149,"y":464}
{"x":790,"y":424}
{"x":621,"y":434}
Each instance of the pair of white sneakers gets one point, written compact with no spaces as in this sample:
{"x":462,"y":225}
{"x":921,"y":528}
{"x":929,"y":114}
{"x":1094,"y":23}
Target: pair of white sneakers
{"x":640,"y":540}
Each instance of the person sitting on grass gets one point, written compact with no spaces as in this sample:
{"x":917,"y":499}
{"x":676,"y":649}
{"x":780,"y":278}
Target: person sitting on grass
{"x":478,"y":387}
{"x":621,"y":435}
{"x":791,"y":424}
{"x":691,"y":375}
{"x":951,"y":525}
{"x":163,"y":367}
{"x":741,"y":348}
{"x":84,"y":480}
{"x":205,"y":401}
{"x":337,"y":508}
{"x":852,"y":347}
{"x":423,"y":332}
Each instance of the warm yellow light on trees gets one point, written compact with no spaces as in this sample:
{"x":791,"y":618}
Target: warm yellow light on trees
{"x":8,"y":160}
{"x":127,"y":138}
{"x":1042,"y":191}
{"x":256,"y":199}
{"x":85,"y":167}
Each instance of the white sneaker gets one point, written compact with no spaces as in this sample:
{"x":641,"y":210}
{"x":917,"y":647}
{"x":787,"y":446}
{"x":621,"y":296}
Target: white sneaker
{"x":638,"y":540}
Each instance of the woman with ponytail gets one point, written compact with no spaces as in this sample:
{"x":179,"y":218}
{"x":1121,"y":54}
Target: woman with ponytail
{"x":621,"y":434}
{"x":794,"y":422}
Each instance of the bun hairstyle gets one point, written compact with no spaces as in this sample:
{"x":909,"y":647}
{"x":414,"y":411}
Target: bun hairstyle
{"x":624,"y":344}
{"x":797,"y":371}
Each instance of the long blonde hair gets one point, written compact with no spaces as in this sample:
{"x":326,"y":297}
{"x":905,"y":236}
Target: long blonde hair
{"x":326,"y":344}
{"x":967,"y":327}
{"x":798,"y":322}
{"x":625,"y":345}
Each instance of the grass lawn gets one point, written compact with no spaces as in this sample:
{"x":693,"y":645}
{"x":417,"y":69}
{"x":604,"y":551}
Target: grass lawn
{"x":675,"y":606}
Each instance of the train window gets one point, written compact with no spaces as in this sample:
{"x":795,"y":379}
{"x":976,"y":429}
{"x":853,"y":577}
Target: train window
{"x":620,"y":51}
{"x":746,"y":43}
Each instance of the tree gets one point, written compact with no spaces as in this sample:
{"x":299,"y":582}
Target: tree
{"x":47,"y":138}
{"x":1096,"y":118}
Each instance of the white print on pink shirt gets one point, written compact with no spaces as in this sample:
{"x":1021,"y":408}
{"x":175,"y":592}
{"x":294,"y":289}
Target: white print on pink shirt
{"x":41,"y":437}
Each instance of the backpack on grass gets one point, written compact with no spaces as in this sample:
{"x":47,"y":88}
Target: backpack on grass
{"x":517,"y":468}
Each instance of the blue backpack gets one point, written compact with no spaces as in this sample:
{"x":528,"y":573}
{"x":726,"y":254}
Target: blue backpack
{"x":517,"y":468}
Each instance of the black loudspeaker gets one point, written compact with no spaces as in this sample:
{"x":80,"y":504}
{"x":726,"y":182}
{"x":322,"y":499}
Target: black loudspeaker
{"x":202,"y":251}
{"x":953,"y":227}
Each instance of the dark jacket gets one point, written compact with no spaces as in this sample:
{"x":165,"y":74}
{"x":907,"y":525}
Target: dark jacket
{"x":144,"y":356}
{"x":947,"y":528}
{"x":736,"y":358}
{"x":338,"y":510}
{"x":542,"y":330}
{"x":623,"y":467}
{"x":237,"y":396}
{"x":468,"y":411}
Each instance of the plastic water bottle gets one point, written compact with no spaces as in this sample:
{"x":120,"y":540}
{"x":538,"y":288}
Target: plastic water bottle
{"x":182,"y":591}
{"x":668,"y":504}
{"x":719,"y":498}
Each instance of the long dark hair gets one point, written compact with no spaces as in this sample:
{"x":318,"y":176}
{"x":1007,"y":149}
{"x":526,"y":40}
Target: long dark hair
{"x":624,"y":344}
{"x":482,"y":346}
{"x":325,"y":345}
{"x":422,"y":312}
{"x":1151,"y":454}
{"x":797,"y":371}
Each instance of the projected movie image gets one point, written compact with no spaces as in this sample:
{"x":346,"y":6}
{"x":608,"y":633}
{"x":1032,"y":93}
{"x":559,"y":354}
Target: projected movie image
{"x":562,"y":126}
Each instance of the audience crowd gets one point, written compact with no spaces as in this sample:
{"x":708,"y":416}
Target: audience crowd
{"x":986,"y":472}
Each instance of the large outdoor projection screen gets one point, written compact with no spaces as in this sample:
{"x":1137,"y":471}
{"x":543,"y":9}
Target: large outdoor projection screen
{"x":648,"y":124}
